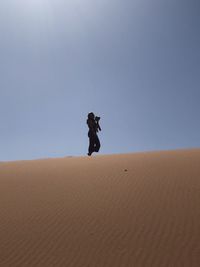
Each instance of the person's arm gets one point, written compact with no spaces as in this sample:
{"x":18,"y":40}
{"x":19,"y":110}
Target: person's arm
{"x":98,"y":126}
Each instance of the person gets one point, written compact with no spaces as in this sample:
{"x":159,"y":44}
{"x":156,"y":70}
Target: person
{"x":94,"y":127}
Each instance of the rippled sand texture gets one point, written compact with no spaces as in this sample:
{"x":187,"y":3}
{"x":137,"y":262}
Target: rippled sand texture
{"x":132,"y":210}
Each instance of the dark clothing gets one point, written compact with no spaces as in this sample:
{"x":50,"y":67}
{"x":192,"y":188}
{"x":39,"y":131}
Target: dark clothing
{"x":94,"y":143}
{"x":93,"y":125}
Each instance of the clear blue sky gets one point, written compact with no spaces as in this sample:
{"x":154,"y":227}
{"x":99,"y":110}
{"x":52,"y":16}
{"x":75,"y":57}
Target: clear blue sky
{"x":135,"y":63}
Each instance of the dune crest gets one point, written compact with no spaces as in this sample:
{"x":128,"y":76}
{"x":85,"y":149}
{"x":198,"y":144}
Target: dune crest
{"x":130,"y":210}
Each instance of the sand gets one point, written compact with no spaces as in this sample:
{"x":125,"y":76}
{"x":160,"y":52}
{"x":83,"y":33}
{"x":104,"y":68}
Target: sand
{"x":134,"y":210}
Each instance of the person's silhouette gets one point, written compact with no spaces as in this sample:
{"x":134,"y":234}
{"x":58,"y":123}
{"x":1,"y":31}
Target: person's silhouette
{"x":94,"y":127}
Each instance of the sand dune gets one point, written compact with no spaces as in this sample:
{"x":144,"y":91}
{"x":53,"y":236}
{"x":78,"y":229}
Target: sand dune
{"x":132,"y":210}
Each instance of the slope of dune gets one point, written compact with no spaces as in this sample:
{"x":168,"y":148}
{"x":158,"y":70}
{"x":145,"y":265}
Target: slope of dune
{"x":126,"y":210}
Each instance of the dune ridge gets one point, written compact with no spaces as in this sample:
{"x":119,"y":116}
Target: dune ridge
{"x":139,"y":209}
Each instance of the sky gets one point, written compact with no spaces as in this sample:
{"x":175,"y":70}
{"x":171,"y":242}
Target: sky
{"x":134,"y":63}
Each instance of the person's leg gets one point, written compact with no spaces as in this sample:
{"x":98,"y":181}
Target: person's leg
{"x":91,"y":148}
{"x":97,"y":144}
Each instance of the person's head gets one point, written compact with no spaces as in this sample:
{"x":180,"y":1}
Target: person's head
{"x":91,"y":116}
